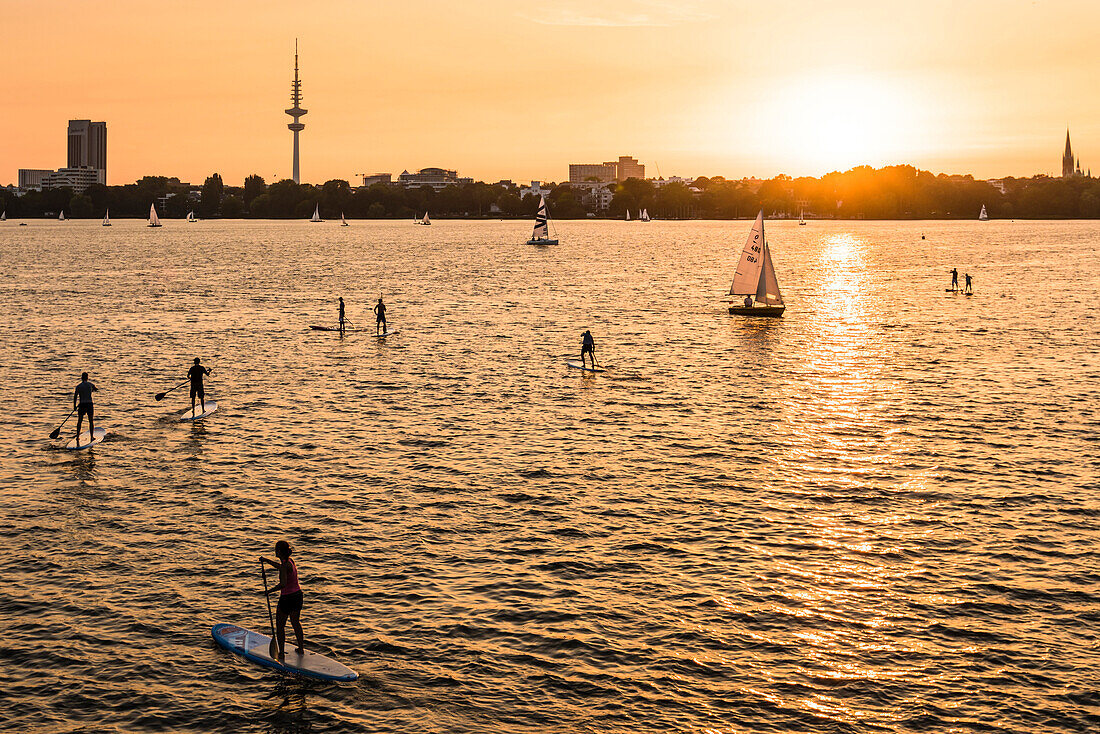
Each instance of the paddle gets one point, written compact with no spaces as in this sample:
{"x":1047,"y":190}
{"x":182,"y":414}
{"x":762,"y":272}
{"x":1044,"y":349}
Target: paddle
{"x":57,"y":431}
{"x":160,"y":395}
{"x":273,"y":648}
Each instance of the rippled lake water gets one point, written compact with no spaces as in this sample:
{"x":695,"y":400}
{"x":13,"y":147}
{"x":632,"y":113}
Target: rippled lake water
{"x":876,"y":514}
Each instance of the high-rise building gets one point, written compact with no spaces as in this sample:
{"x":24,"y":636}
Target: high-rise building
{"x":31,"y":178}
{"x":602,"y":172}
{"x":295,"y":112}
{"x":88,"y":147}
{"x":606,"y":172}
{"x":629,"y":167}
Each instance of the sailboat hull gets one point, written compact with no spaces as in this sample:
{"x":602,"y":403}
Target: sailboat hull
{"x":541,"y":242}
{"x":772,"y":311}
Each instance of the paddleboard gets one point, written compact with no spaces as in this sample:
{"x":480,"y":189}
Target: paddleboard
{"x":951,"y":290}
{"x":199,"y":413}
{"x":347,"y":329}
{"x":257,"y":648}
{"x":386,"y":333}
{"x":85,"y":440}
{"x":580,"y":366}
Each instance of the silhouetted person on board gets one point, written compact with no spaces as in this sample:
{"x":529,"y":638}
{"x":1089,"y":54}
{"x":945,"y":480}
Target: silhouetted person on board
{"x":290,"y":598}
{"x":83,"y":394}
{"x":588,"y":346}
{"x":380,"y":312}
{"x":195,"y":375}
{"x":748,"y":301}
{"x":954,"y":279}
{"x":341,"y":314}
{"x":969,"y":283}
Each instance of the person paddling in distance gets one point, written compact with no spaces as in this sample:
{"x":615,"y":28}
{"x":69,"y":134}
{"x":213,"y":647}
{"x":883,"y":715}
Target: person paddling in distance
{"x":954,"y":279}
{"x":195,"y":375}
{"x":82,"y":404}
{"x":341,"y":314}
{"x":588,"y":346}
{"x":969,"y":283}
{"x":380,"y":312}
{"x":290,"y":598}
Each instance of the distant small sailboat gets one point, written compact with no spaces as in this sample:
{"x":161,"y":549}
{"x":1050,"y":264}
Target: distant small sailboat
{"x":801,"y":217}
{"x":628,"y":215}
{"x":4,"y":216}
{"x":425,"y":220}
{"x":541,"y":234}
{"x":191,"y":217}
{"x":107,"y":218}
{"x":983,"y":217}
{"x":644,"y":216}
{"x":154,"y":220}
{"x":61,"y":216}
{"x":755,"y":277}
{"x":343,"y":222}
{"x":316,"y":214}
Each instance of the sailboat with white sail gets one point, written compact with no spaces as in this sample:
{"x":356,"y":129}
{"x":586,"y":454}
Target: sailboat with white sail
{"x":541,"y":233}
{"x":316,"y":214}
{"x":755,"y":277}
{"x":154,"y":220}
{"x":425,"y":221}
{"x":628,"y":215}
{"x":343,"y":222}
{"x":644,"y":217}
{"x":61,"y":216}
{"x":983,"y":216}
{"x":107,"y":218}
{"x":191,"y":217}
{"x":4,"y":216}
{"x":801,"y":217}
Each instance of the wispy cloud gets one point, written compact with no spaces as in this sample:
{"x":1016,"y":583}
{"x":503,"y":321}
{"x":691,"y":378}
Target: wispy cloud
{"x":622,"y":14}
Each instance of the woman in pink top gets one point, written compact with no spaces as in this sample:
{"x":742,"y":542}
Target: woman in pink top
{"x":290,"y":597}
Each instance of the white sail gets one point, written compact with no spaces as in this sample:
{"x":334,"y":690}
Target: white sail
{"x":191,"y":216}
{"x":983,"y":216}
{"x":343,"y":221}
{"x":4,"y":216}
{"x":107,"y":218}
{"x":542,"y":225}
{"x":61,"y":217}
{"x":154,"y":220}
{"x":425,"y":220}
{"x":767,"y":289}
{"x":628,"y":215}
{"x":316,"y":214}
{"x":645,"y":215}
{"x":746,"y":279}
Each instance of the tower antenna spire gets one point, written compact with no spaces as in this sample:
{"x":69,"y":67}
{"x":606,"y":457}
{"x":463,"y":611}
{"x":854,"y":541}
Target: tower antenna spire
{"x":296,"y":112}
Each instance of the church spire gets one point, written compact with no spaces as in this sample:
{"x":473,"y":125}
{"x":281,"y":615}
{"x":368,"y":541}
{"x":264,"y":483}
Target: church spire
{"x":1067,"y":158}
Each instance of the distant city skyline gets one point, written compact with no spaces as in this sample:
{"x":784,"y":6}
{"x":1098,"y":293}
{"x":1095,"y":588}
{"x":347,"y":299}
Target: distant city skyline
{"x":697,"y":88}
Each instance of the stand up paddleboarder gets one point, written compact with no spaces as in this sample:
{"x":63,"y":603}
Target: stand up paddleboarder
{"x":290,"y":598}
{"x":969,"y":283}
{"x":195,"y":375}
{"x":341,"y":314}
{"x":588,"y":346}
{"x":380,"y":312}
{"x":954,"y":279}
{"x":82,"y":404}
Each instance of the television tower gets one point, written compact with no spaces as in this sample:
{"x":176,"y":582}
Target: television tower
{"x":296,"y":111}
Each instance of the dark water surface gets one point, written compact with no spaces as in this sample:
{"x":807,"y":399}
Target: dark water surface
{"x":877,"y":514}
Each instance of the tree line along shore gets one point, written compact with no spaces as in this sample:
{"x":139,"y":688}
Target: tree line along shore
{"x":893,"y":192}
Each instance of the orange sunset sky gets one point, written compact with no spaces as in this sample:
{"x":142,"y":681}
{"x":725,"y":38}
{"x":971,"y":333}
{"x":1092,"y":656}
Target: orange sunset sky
{"x":518,"y":90}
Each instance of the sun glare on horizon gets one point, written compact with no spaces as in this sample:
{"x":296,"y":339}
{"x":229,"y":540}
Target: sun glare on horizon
{"x":830,"y":122}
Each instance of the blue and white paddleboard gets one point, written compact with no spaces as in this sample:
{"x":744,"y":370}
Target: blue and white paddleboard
{"x":580,"y":366}
{"x":85,"y":440}
{"x":199,"y":413}
{"x":257,"y":648}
